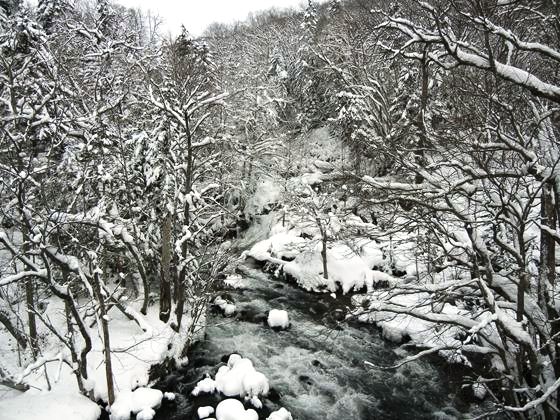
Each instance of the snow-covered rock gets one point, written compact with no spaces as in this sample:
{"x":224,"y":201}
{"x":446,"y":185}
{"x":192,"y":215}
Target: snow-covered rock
{"x":205,"y":386}
{"x":231,"y":409}
{"x":137,"y":401}
{"x":238,"y":378}
{"x":256,"y":402}
{"x":278,"y":318}
{"x":281,"y":414}
{"x":204,"y":412}
{"x":146,"y":414}
{"x":254,"y":384}
{"x":227,"y":307}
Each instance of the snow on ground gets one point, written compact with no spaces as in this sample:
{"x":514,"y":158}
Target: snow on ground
{"x":345,"y":269}
{"x":422,"y":333}
{"x":49,"y":405}
{"x":135,"y":350}
{"x":278,"y":318}
{"x":349,"y":267}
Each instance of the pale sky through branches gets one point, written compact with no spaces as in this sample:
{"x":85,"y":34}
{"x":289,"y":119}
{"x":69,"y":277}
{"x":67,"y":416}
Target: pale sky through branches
{"x":196,"y":15}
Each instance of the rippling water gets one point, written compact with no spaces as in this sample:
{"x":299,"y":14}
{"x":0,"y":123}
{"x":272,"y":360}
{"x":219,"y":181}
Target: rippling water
{"x":317,"y":372}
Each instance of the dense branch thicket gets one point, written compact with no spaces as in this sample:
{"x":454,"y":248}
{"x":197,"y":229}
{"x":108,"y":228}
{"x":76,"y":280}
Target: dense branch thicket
{"x":126,"y":159}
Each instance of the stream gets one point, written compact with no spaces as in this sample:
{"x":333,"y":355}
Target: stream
{"x":316,"y":367}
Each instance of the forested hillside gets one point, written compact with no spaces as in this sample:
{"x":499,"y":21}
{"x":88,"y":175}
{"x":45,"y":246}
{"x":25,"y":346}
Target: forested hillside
{"x":395,"y":161}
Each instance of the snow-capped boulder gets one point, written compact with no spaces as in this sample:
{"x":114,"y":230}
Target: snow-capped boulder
{"x":239,"y":378}
{"x":281,"y":414}
{"x":142,"y":402}
{"x":225,"y":306}
{"x":231,"y":409}
{"x":204,"y":412}
{"x":206,"y":386}
{"x":278,"y":318}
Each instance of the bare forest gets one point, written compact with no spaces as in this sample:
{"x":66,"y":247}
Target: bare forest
{"x":346,"y":210}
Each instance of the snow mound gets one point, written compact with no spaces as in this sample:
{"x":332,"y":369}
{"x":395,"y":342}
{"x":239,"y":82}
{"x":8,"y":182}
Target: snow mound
{"x":281,"y":414}
{"x":141,"y":401}
{"x":423,"y":333}
{"x":49,"y":405}
{"x":206,"y":386}
{"x":280,"y":245}
{"x":278,"y":318}
{"x":239,"y":377}
{"x":349,"y":263}
{"x":231,"y":409}
{"x":345,"y":269}
{"x":146,"y":414}
{"x":204,"y":412}
{"x":255,"y":402}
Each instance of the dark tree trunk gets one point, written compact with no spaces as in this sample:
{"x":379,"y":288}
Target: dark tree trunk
{"x":324,"y":240}
{"x":106,"y":339}
{"x":165,"y":278}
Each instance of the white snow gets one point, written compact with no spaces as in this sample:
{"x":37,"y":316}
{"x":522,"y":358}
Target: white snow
{"x":227,"y":307}
{"x":278,"y":318}
{"x":239,"y":378}
{"x":349,"y":264}
{"x":146,"y":414}
{"x":256,"y":402}
{"x":169,"y":396}
{"x":254,"y":384}
{"x":207,"y":386}
{"x":267,"y":192}
{"x":234,"y":280}
{"x":281,"y":414}
{"x":204,"y":412}
{"x":49,"y":405}
{"x":141,"y":401}
{"x":231,"y":409}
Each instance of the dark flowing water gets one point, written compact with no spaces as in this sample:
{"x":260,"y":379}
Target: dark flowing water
{"x":317,"y":372}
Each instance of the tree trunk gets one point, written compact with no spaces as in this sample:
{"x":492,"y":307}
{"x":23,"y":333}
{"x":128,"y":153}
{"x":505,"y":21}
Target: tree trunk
{"x":30,"y":296}
{"x":17,"y":334}
{"x":324,"y":240}
{"x":165,"y":280}
{"x":106,"y":339}
{"x":421,"y":119}
{"x":71,"y":345}
{"x":32,"y":323}
{"x":547,"y":275}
